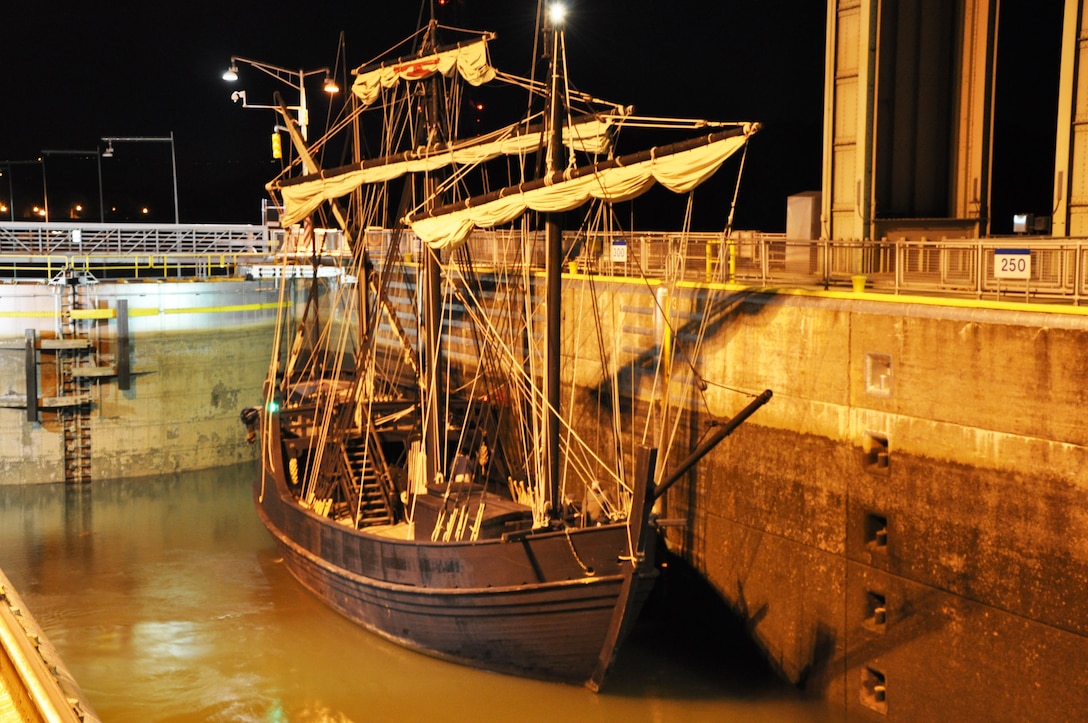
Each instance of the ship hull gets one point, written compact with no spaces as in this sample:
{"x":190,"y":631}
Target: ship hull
{"x":552,"y":605}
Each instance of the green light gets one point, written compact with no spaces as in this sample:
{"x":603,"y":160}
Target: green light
{"x":273,"y":407}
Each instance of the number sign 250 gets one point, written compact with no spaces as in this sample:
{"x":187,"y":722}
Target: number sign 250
{"x":1012,"y":263}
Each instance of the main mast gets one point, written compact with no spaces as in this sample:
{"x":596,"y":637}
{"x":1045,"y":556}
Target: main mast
{"x":431,"y":286}
{"x":553,"y":234}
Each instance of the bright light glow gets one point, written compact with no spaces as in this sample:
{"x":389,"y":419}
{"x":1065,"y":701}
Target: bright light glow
{"x":144,"y":210}
{"x":557,"y":12}
{"x":231,"y":73}
{"x":330,"y":85}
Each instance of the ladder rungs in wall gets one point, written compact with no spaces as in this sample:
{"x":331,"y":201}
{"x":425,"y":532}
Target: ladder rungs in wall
{"x":71,"y":401}
{"x":65,"y":344}
{"x":106,"y":371}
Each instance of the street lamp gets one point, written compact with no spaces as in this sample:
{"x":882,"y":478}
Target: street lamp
{"x":293,"y":78}
{"x":108,"y":153}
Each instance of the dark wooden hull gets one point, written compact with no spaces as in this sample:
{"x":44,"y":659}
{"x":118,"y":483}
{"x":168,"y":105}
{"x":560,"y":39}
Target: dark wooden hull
{"x":551,"y":605}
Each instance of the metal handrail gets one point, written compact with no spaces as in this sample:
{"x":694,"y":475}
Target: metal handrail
{"x":98,"y":238}
{"x":27,"y":267}
{"x":948,"y":267}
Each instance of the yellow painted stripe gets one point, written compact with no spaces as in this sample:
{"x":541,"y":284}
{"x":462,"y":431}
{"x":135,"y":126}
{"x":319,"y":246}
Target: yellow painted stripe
{"x":889,"y":298}
{"x":222,"y":309}
{"x":648,"y":281}
{"x":112,"y":313}
{"x":93,"y":313}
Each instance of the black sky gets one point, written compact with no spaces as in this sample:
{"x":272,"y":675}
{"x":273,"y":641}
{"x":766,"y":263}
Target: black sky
{"x":75,"y":72}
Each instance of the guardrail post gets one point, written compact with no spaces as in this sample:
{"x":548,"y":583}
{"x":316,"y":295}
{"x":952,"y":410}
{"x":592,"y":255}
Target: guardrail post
{"x":31,"y":375}
{"x":124,"y":370}
{"x":1078,"y":273}
{"x":899,"y":266}
{"x":731,"y":249}
{"x":764,"y":252}
{"x":980,"y":270}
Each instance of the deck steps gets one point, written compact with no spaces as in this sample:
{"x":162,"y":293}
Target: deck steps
{"x":374,"y":508}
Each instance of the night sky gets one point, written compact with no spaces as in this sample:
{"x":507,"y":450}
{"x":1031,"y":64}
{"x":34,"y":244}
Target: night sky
{"x":76,"y":72}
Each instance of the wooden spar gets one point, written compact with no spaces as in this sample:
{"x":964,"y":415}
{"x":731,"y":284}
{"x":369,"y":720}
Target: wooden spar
{"x":419,"y":153}
{"x":308,"y":161}
{"x":710,"y":443}
{"x":559,"y":175}
{"x":414,"y":57}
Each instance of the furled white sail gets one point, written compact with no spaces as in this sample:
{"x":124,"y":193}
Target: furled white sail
{"x":303,"y":196}
{"x":469,"y":60}
{"x":609,"y":181}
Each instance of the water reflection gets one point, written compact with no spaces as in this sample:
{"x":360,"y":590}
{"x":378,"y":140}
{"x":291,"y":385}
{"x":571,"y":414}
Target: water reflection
{"x":168,"y":602}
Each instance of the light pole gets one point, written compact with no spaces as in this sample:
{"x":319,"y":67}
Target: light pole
{"x":11,"y":195}
{"x":11,"y":182}
{"x":108,"y":153}
{"x":294,"y":78}
{"x":87,"y":154}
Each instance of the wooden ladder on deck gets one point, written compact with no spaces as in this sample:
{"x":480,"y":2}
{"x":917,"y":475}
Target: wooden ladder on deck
{"x":375,"y":505}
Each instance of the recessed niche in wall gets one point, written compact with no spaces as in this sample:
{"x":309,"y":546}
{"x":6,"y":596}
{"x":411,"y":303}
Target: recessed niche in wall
{"x":874,"y":690}
{"x":876,"y":531}
{"x":878,"y":374}
{"x":876,"y":614}
{"x":875,"y":453}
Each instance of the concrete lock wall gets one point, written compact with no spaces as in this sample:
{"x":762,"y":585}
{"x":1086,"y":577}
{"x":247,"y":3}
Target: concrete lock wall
{"x":904,"y":527}
{"x":198,"y":353}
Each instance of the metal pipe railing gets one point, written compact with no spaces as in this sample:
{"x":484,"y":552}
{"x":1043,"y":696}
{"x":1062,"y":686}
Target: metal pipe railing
{"x":1059,"y":267}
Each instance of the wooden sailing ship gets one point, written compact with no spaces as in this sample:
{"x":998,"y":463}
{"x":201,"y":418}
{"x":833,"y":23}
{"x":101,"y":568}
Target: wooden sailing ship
{"x":419,"y":467}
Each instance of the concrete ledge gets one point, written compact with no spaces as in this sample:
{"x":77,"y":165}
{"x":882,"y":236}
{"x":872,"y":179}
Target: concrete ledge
{"x":34,"y":681}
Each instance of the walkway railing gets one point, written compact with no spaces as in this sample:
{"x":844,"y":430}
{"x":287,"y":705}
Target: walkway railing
{"x":95,"y":238}
{"x":964,"y":267}
{"x":36,"y":250}
{"x":1057,"y":270}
